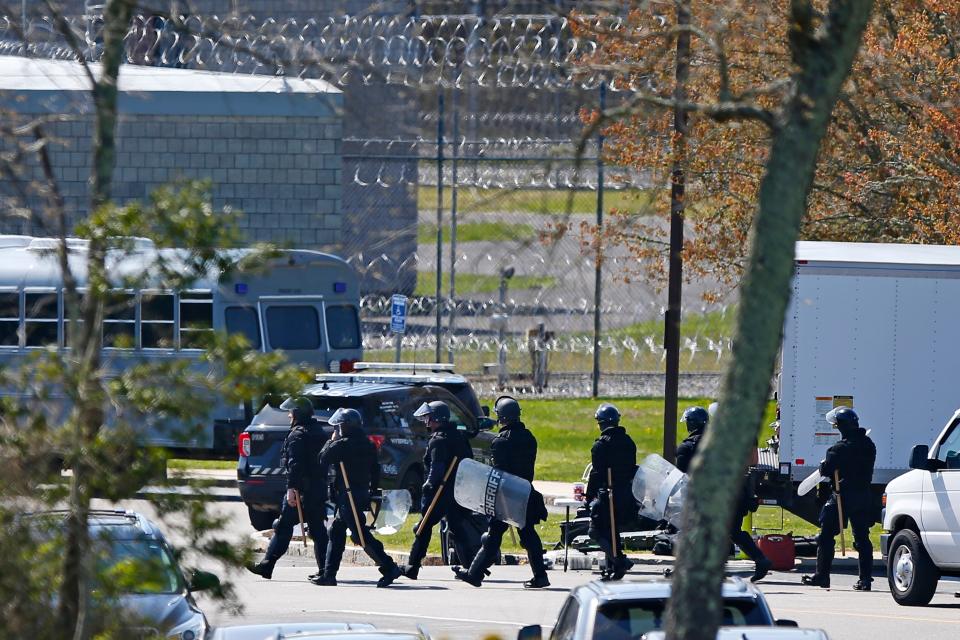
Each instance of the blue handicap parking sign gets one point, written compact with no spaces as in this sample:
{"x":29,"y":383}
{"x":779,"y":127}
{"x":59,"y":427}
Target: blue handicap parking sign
{"x":398,"y":313}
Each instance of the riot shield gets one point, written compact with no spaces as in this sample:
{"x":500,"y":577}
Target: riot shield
{"x":388,"y":512}
{"x":659,"y":487}
{"x":810,"y":482}
{"x":483,"y":489}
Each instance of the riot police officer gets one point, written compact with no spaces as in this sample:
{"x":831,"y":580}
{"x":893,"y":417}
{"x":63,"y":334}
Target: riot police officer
{"x":613,"y":455}
{"x":306,"y":482}
{"x":446,"y":448}
{"x":852,"y":459}
{"x":514,"y":450}
{"x":696,"y":419}
{"x":353,"y":458}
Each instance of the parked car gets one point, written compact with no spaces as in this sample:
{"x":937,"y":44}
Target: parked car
{"x":921,"y":519}
{"x":161,"y":602}
{"x":628,"y":610}
{"x":756,"y":633}
{"x":387,"y":402}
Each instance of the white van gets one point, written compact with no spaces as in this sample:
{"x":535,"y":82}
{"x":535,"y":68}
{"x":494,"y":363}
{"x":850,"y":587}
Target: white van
{"x":921,"y":519}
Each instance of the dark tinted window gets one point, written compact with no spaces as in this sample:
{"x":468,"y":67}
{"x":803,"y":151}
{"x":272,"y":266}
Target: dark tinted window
{"x":119,"y":322}
{"x":566,"y":627}
{"x":343,"y":327}
{"x":9,"y":318}
{"x":244,"y":320}
{"x":631,"y":619}
{"x":293,"y":328}
{"x":196,"y":319}
{"x":40,"y":312}
{"x":156,"y":320}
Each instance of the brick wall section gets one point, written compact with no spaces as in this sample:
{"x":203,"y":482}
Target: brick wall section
{"x":284,"y":173}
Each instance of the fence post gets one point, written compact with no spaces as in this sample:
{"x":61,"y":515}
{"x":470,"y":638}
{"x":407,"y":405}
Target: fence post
{"x":439,"y":294}
{"x":453,"y":226}
{"x":598,"y":260}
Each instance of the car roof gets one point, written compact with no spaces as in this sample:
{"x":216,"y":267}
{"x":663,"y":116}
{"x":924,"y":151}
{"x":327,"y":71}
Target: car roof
{"x":352,"y":388}
{"x":755,"y":633}
{"x":655,"y":589}
{"x":114,"y":524}
{"x":287,"y":630}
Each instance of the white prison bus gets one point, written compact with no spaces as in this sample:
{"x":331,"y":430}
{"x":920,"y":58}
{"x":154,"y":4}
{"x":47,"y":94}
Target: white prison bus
{"x":304,"y":303}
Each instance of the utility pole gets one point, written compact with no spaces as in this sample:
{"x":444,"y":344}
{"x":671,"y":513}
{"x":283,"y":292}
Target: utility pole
{"x":439,"y":294}
{"x":671,"y":329}
{"x":598,"y":258}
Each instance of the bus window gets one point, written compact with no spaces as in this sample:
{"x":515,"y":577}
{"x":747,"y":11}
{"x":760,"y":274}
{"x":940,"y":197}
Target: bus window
{"x":293,"y":328}
{"x":343,"y":327}
{"x":243,"y":320}
{"x":9,"y":318}
{"x":156,"y":320}
{"x":40,"y":319}
{"x":119,"y":320}
{"x":196,"y":319}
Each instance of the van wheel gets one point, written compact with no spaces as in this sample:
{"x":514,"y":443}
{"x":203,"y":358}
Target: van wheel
{"x":262,"y":520}
{"x":413,"y":482}
{"x":911,"y":573}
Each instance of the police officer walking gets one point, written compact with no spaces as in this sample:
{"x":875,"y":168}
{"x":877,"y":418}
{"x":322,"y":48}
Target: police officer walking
{"x":696,"y":419}
{"x":354,"y":460}
{"x":514,"y":450}
{"x":306,"y":482}
{"x":446,"y":448}
{"x":852,"y":459}
{"x":614,"y":457}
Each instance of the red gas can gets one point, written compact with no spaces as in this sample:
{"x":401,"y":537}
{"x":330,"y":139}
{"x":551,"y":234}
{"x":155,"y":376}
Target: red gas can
{"x":779,"y":549}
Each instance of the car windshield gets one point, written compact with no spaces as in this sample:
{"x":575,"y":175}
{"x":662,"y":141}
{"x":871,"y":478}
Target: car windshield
{"x":633,"y":618}
{"x":139,"y":566}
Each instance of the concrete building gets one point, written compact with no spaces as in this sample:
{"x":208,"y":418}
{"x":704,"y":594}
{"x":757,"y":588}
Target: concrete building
{"x":271,"y":146}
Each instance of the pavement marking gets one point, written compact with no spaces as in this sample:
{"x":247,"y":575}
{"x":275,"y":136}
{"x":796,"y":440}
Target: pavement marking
{"x":867,"y":615}
{"x":389,"y":614}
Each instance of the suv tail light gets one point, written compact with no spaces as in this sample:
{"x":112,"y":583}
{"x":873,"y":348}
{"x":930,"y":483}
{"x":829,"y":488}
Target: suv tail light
{"x":346,"y":365}
{"x":243,"y":445}
{"x":377,"y":441}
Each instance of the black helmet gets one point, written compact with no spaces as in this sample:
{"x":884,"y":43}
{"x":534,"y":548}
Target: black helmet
{"x":508,"y":409}
{"x":696,"y":418}
{"x":843,"y":418}
{"x":436,"y":410}
{"x":346,"y":419}
{"x":607,"y":415}
{"x":299,"y":406}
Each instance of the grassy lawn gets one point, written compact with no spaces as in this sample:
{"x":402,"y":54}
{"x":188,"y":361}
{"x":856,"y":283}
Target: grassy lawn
{"x":714,"y":324}
{"x":477,"y":283}
{"x":478,"y":232}
{"x":543,"y":201}
{"x":180,"y":464}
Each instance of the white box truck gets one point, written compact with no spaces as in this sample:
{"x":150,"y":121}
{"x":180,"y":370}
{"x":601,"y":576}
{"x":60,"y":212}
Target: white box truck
{"x":875,"y":327}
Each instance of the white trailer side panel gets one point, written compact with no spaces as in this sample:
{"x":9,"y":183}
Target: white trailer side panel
{"x":887,"y":338}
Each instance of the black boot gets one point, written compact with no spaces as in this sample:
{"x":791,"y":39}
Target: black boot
{"x":761,"y":569}
{"x":862,"y":585}
{"x":411,"y":571}
{"x":539,"y":581}
{"x":324,"y":581}
{"x":816,"y":581}
{"x":620,"y":567}
{"x":264,"y":568}
{"x":466,"y":576}
{"x":391,"y":574}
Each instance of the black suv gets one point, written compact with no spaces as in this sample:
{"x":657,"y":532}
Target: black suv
{"x":387,"y":403}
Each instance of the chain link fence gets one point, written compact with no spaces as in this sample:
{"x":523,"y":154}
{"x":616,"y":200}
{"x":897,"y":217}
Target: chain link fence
{"x":488,"y":193}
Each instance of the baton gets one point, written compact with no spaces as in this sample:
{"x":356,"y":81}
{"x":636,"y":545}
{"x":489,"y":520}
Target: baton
{"x":836,"y":484}
{"x":613,"y":517}
{"x":353,"y":506}
{"x":303,"y":532}
{"x":436,"y":496}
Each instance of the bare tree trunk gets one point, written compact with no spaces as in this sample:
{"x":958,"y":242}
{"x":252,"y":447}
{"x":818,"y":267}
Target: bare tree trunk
{"x":823,"y":59}
{"x":87,"y":416}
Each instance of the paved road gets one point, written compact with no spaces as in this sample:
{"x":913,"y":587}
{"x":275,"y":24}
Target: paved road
{"x":448,"y":608}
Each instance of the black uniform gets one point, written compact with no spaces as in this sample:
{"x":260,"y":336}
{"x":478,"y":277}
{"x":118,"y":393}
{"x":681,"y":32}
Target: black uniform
{"x":614,"y":450}
{"x":445,"y":444}
{"x":304,"y":473}
{"x":514,"y":451}
{"x":746,"y":502}
{"x":359,"y":457}
{"x":853,"y":458}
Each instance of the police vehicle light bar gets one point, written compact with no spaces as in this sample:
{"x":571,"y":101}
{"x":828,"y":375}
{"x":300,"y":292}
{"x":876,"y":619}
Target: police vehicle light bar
{"x":412,"y":367}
